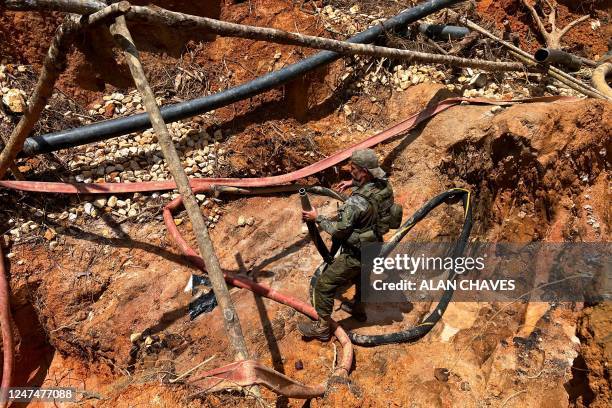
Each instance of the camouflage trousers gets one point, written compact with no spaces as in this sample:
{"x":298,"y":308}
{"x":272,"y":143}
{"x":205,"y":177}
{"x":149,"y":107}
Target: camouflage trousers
{"x":344,"y":271}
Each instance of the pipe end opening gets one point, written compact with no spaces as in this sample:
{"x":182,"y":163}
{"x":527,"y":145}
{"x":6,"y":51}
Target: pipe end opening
{"x":541,"y":55}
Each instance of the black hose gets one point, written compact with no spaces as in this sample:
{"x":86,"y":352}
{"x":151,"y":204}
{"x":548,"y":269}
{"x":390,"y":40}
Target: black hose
{"x":117,"y":127}
{"x":443,"y":32}
{"x":314,"y":231}
{"x":423,"y":328}
{"x":558,"y":58}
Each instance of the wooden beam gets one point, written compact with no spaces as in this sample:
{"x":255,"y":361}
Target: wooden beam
{"x":231,"y":322}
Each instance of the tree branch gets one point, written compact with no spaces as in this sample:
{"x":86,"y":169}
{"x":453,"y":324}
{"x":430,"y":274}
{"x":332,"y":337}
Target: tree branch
{"x":572,"y":24}
{"x":537,"y":19}
{"x":159,"y":16}
{"x":231,"y":322}
{"x":552,"y":38}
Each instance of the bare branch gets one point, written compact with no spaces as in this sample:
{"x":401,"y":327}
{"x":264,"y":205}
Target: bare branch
{"x":536,"y":18}
{"x":552,"y":38}
{"x":68,"y":6}
{"x":122,"y":36}
{"x":572,"y":24}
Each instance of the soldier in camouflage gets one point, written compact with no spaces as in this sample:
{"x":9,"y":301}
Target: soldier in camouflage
{"x":362,"y":218}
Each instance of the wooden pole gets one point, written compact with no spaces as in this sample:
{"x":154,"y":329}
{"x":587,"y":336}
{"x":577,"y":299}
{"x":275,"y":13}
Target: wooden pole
{"x":123,"y":37}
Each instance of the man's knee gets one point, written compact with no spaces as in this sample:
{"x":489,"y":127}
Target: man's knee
{"x":326,"y":284}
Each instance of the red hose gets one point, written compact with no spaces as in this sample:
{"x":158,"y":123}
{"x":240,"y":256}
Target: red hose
{"x":402,"y":127}
{"x":7,"y":334}
{"x":248,"y":371}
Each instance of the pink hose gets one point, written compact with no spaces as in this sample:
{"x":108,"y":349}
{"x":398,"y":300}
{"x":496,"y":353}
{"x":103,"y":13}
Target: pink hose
{"x":7,"y":334}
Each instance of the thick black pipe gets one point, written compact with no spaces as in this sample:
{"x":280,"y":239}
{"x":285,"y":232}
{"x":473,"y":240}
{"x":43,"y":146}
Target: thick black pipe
{"x":171,"y":113}
{"x":558,"y":58}
{"x":313,"y":231}
{"x":443,"y":32}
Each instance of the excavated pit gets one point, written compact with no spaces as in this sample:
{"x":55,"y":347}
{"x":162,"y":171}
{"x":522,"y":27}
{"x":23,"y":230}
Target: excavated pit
{"x":96,"y":296}
{"x":530,"y":167}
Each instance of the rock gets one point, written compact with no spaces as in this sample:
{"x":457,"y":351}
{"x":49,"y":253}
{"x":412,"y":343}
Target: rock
{"x":134,"y":337}
{"x":100,"y":202}
{"x":50,"y":234}
{"x":178,"y":221}
{"x":299,"y":365}
{"x":496,"y":109}
{"x":112,"y":201}
{"x":14,"y":100}
{"x":249,"y":221}
{"x":241,"y":221}
{"x":88,"y":208}
{"x":478,"y":80}
{"x":441,"y":374}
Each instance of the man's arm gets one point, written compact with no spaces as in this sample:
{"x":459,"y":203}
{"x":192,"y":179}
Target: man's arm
{"x":347,"y":214}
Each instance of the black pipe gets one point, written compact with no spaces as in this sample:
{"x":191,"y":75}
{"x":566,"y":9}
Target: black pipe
{"x":424,"y":327}
{"x":117,"y":127}
{"x":558,"y":58}
{"x":443,"y":32}
{"x":314,"y":231}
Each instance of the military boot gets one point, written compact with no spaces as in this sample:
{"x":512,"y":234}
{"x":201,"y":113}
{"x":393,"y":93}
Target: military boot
{"x":356,"y":310}
{"x":320,"y":329}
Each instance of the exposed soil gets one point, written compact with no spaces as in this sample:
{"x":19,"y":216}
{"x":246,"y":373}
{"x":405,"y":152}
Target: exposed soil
{"x":90,"y":298}
{"x":582,"y":40}
{"x":532,"y":169}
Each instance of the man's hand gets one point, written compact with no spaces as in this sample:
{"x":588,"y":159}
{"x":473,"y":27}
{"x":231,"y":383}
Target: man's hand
{"x":344,"y":185}
{"x":310,"y":215}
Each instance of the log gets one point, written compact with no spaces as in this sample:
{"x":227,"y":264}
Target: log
{"x":160,"y":16}
{"x":231,"y":322}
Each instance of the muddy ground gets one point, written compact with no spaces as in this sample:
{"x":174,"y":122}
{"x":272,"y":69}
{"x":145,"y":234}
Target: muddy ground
{"x":538,"y":172}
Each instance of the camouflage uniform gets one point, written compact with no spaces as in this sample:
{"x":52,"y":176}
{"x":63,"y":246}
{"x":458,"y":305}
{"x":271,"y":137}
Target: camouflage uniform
{"x":359,"y":220}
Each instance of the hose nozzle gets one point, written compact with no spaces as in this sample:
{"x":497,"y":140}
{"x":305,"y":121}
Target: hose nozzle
{"x":306,"y":206}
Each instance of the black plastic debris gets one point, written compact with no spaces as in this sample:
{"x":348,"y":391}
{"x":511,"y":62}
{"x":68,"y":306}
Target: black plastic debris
{"x":204,"y":303}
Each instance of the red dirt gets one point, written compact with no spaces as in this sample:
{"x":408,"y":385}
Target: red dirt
{"x":91,"y":298}
{"x":582,"y":39}
{"x":76,"y":307}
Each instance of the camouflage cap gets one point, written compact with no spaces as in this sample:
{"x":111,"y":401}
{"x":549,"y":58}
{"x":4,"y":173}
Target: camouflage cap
{"x":367,"y":159}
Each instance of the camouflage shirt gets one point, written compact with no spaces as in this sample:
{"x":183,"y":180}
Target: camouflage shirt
{"x":355,"y":215}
